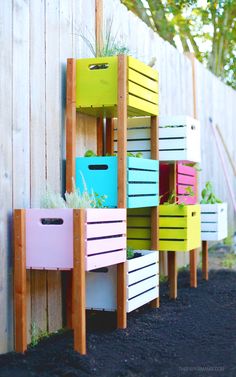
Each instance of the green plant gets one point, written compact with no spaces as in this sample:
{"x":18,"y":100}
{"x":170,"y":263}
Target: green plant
{"x":208,"y":196}
{"x":163,"y":278}
{"x":51,"y":199}
{"x":229,"y":261}
{"x":37,"y":334}
{"x":130,"y":252}
{"x":90,"y":153}
{"x":74,"y":199}
{"x":110,"y":45}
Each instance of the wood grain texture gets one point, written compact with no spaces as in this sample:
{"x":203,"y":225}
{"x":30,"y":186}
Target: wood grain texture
{"x":70,"y":122}
{"x":172,"y":274}
{"x":122,"y":162}
{"x":20,"y":311}
{"x":205,"y":260}
{"x":109,"y":135}
{"x":122,"y":129}
{"x":99,"y":25}
{"x":79,"y":299}
{"x":100,"y":136}
{"x":193,"y":268}
{"x":6,"y":185}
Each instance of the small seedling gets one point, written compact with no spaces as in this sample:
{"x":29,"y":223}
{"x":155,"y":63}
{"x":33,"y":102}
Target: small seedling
{"x":37,"y":334}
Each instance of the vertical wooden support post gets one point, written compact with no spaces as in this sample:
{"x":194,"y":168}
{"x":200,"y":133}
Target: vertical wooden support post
{"x":205,"y":260}
{"x":70,"y":122}
{"x":20,"y":295}
{"x":99,"y":26}
{"x":172,"y":274}
{"x":78,"y":292}
{"x":172,"y":256}
{"x":109,"y":136}
{"x":122,"y":179}
{"x":70,"y":159}
{"x":100,"y":136}
{"x":193,"y":253}
{"x":155,"y":210}
{"x":193,"y":268}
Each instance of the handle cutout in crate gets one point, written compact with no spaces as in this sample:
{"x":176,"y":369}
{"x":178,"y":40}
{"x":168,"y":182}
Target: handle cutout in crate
{"x":98,"y":167}
{"x":51,"y":221}
{"x":97,"y":66}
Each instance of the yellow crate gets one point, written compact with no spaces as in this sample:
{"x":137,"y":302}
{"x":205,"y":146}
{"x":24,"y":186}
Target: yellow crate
{"x":97,"y":85}
{"x":179,"y":227}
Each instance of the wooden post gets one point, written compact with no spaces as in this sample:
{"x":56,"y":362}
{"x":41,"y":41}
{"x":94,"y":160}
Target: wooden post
{"x":79,"y":300}
{"x":20,"y":295}
{"x":193,"y":268}
{"x":70,"y":122}
{"x":100,"y":136}
{"x":172,"y":274}
{"x":122,"y":178}
{"x":155,"y":210}
{"x":193,"y":253}
{"x":109,"y":136}
{"x":70,"y":159}
{"x":99,"y":26}
{"x":205,"y":260}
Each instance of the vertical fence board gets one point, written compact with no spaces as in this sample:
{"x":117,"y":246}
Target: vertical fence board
{"x":6,"y":325}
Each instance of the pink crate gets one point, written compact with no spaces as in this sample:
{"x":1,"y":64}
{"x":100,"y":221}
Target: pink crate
{"x":49,"y":238}
{"x":185,"y":177}
{"x":105,"y":237}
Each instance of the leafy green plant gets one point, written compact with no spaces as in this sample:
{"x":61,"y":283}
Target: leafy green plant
{"x":110,"y":45}
{"x":130,"y":252}
{"x":208,"y":196}
{"x":90,"y":153}
{"x":37,"y":334}
{"x":229,"y":261}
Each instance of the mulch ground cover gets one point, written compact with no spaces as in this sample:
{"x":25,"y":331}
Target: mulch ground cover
{"x":192,"y":336}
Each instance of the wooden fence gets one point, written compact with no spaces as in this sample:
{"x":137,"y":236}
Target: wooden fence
{"x":36,"y":38}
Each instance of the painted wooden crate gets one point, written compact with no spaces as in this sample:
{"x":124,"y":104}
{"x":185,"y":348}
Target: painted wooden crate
{"x":49,"y":238}
{"x":142,"y":284}
{"x":101,"y":176}
{"x":214,"y":222}
{"x":179,"y":227}
{"x":185,"y":178}
{"x":97,"y":86}
{"x":179,"y":139}
{"x":139,"y":228}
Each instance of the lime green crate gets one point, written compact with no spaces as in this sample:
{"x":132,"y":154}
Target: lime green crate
{"x":97,"y":87}
{"x":179,"y":227}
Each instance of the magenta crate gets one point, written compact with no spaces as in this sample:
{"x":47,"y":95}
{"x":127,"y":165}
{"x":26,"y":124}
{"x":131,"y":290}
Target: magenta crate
{"x":49,"y":238}
{"x":185,"y":177}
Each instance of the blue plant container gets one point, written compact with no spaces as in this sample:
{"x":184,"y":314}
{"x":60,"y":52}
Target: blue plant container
{"x":101,"y":176}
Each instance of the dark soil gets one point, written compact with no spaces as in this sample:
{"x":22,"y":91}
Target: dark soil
{"x":192,"y":336}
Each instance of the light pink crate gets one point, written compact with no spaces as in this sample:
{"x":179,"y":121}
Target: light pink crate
{"x":49,"y":238}
{"x":105,"y":237}
{"x":49,"y":246}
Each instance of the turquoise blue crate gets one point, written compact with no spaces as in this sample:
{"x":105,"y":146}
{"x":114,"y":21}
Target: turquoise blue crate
{"x":101,"y":176}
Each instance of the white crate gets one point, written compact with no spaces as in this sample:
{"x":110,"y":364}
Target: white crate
{"x":142,"y":284}
{"x":214,"y":225}
{"x":179,"y":139}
